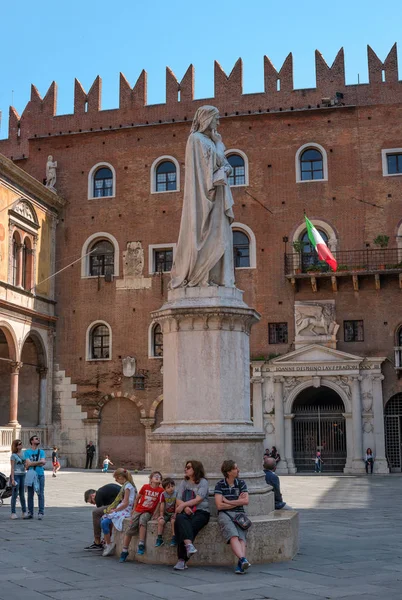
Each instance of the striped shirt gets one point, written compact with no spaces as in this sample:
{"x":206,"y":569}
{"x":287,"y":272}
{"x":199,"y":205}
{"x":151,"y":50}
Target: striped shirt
{"x":231,"y":492}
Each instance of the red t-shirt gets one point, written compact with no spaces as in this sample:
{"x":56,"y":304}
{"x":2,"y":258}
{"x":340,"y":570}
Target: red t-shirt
{"x":150,"y":497}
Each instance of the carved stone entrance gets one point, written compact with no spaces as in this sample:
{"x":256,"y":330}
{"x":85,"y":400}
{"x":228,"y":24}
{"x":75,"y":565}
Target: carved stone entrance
{"x":319,"y":424}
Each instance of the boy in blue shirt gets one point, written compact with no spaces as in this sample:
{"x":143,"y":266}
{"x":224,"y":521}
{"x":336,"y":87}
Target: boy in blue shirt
{"x":35,"y":460}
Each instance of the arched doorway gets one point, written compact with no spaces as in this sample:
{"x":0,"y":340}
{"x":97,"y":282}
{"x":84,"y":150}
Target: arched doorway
{"x":319,"y":424}
{"x":29,"y":391}
{"x":121,"y":435}
{"x":4,"y":379}
{"x":393,"y":432}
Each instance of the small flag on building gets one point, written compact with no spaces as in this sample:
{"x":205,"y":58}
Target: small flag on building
{"x":319,"y":245}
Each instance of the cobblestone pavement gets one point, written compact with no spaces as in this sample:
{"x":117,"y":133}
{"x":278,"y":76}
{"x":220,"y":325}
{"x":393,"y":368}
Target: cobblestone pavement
{"x":350,"y":548}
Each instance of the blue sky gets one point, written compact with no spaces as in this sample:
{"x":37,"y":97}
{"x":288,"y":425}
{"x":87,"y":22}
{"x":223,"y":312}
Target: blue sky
{"x":63,"y":40}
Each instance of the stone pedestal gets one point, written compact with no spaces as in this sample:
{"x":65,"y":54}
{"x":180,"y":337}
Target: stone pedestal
{"x":206,"y":389}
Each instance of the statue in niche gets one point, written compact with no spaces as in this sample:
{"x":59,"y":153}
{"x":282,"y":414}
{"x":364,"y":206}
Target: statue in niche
{"x":51,"y":167}
{"x":316,"y":319}
{"x":133,"y":259}
{"x":204,"y":254}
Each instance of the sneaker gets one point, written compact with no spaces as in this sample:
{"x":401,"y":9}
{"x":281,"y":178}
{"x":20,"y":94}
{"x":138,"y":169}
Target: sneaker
{"x":28,"y":516}
{"x":54,"y":475}
{"x":243,"y":562}
{"x":14,"y":516}
{"x":141,"y":549}
{"x":180,"y":565}
{"x":24,"y":515}
{"x":40,"y":517}
{"x":190,"y":550}
{"x":173,"y":541}
{"x":239,"y":570}
{"x":109,"y":549}
{"x":123,"y":556}
{"x":94,"y":546}
{"x":159,"y":542}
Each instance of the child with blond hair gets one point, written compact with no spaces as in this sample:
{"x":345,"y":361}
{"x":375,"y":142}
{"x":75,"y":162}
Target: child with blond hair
{"x":120,"y":509}
{"x":167,"y":509}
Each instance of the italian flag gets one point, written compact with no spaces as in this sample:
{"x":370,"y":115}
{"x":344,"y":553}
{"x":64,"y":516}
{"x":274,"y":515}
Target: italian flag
{"x":319,"y":245}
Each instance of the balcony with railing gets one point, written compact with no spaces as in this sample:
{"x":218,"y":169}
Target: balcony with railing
{"x":351,"y":263}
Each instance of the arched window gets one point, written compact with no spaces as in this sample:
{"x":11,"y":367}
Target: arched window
{"x":14,"y":264}
{"x":166,"y":177}
{"x":99,"y":342}
{"x":101,"y":259}
{"x":238,"y":176}
{"x":309,"y":254}
{"x":103,"y":183}
{"x":399,"y":337}
{"x":311,"y":165}
{"x":157,"y":339}
{"x":241,"y":249}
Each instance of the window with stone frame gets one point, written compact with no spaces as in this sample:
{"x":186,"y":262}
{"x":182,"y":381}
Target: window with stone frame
{"x":163,"y":260}
{"x":394,"y":163}
{"x":100,"y":342}
{"x":238,"y":176}
{"x":311,"y":165}
{"x":353,"y":331}
{"x":277,"y":333}
{"x":241,"y":249}
{"x":157,"y":340}
{"x":101,"y":259}
{"x":14,"y":263}
{"x":166,"y":177}
{"x":103,"y":183}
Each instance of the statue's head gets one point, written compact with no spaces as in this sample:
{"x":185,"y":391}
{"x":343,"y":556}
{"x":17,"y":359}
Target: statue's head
{"x":50,"y":157}
{"x":206,"y":117}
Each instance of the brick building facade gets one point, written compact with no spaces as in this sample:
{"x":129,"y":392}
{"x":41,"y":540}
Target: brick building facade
{"x":332,"y":151}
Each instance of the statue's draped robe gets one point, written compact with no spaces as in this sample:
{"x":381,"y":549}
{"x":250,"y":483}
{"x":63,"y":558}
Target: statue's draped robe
{"x":204,"y":251}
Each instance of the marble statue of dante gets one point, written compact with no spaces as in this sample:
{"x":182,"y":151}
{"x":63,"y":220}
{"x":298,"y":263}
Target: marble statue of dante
{"x":204,"y":254}
{"x":51,"y":167}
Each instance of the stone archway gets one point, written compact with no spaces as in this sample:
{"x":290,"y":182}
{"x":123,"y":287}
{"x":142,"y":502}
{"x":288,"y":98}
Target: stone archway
{"x":32,"y":389}
{"x":319,"y":425}
{"x":8,"y":358}
{"x":121,"y":432}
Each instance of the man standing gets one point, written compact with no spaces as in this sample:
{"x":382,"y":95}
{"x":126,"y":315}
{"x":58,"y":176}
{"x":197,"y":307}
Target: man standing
{"x":272,"y":479}
{"x":35,"y":461}
{"x":90,"y":450}
{"x":102,"y":498}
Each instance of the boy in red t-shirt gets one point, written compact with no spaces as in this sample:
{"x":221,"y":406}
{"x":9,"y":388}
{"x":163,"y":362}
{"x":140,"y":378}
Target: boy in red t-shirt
{"x":145,"y":506}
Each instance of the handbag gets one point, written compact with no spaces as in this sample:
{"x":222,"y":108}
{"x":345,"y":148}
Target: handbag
{"x":242,"y":520}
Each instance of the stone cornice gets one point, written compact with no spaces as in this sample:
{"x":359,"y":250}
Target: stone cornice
{"x":28,"y":184}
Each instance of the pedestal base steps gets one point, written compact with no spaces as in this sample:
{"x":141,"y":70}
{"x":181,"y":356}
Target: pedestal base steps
{"x":273,"y":538}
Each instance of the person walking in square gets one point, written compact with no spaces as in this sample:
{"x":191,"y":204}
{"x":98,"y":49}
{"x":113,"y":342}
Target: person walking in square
{"x":231,"y":496}
{"x":192,"y":511}
{"x":55,"y":461}
{"x":90,"y":451}
{"x":318,"y":462}
{"x":17,"y":478}
{"x":35,"y":461}
{"x":106,"y":463}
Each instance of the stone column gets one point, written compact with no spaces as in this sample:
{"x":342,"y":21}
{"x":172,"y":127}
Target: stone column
{"x":258,"y":409}
{"x":15,"y":371}
{"x":349,"y":442}
{"x":42,"y":395}
{"x":289,"y":443}
{"x":20,"y":264}
{"x":280,"y":424}
{"x":357,"y":462}
{"x":380,"y":462}
{"x":148,"y":424}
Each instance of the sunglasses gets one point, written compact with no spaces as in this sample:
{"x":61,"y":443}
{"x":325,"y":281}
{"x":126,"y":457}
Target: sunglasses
{"x":187,"y":467}
{"x":19,"y":444}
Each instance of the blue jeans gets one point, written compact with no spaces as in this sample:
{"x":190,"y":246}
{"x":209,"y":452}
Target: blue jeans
{"x":41,"y":496}
{"x":18,"y":490}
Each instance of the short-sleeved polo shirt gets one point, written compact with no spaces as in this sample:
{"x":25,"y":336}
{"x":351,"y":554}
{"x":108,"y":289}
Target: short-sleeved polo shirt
{"x":231,"y":492}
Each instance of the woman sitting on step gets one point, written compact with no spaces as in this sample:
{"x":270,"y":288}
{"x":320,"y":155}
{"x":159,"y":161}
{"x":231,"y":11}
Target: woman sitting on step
{"x":192,"y":511}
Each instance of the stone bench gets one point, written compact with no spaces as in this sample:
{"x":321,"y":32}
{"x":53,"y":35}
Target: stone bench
{"x":272,"y":538}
